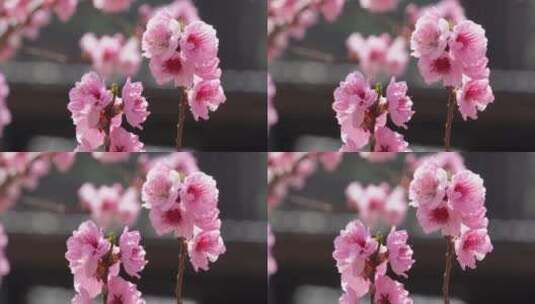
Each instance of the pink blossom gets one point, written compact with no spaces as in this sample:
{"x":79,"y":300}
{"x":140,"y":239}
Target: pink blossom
{"x":430,"y":37}
{"x":87,"y":99}
{"x":271,"y":262}
{"x":161,"y":188}
{"x":199,"y":42}
{"x":379,"y":6}
{"x":205,"y":246}
{"x":390,"y":291}
{"x":272,"y":115}
{"x":399,"y":252}
{"x":396,"y":206}
{"x":330,"y":160}
{"x":4,"y":263}
{"x":182,"y":162}
{"x":349,"y":297}
{"x":468,"y":41}
{"x":64,"y":160}
{"x":199,"y":193}
{"x":82,"y":297}
{"x":85,"y":248}
{"x":174,"y":68}
{"x":387,"y":140}
{"x":444,"y":68}
{"x":161,"y":38}
{"x":175,"y":219}
{"x":206,"y":95}
{"x":441,"y":217}
{"x":399,"y":104}
{"x":331,"y":9}
{"x":472,"y":245}
{"x":65,"y":9}
{"x":353,"y":246}
{"x":124,"y":141}
{"x":121,"y":291}
{"x":132,"y":253}
{"x":352,"y":97}
{"x":428,"y":187}
{"x":129,"y":59}
{"x":466,"y":192}
{"x":5,"y":114}
{"x":474,"y":96}
{"x":397,"y":57}
{"x":135,"y":105}
{"x":112,"y":6}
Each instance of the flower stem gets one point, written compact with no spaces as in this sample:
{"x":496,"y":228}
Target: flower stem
{"x":449,"y":119}
{"x":447,"y":269}
{"x":110,"y":109}
{"x":182,"y":106}
{"x":182,"y":246}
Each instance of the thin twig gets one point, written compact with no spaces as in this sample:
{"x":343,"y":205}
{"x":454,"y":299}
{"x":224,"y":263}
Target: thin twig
{"x":181,"y":268}
{"x":310,"y":203}
{"x":46,"y":54}
{"x":182,"y":106}
{"x":447,"y":269}
{"x":44,"y":204}
{"x":449,"y":119}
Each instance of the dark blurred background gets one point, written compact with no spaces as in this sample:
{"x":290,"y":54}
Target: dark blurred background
{"x":37,"y":237}
{"x":305,"y":88}
{"x":39,"y":87}
{"x":304,"y":236}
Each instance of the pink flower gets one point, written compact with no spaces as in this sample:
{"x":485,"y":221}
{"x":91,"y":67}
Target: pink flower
{"x":272,"y":115}
{"x":441,"y":217}
{"x":430,"y":36}
{"x":271,"y":262}
{"x":65,"y":9}
{"x":135,"y":105}
{"x":466,"y":192}
{"x":397,"y":57}
{"x":352,"y":97}
{"x":206,"y":95}
{"x":396,"y":206}
{"x":468,"y":41}
{"x":444,"y":68}
{"x":205,"y":246}
{"x":161,"y":38}
{"x":428,"y":187}
{"x":353,"y":246}
{"x":399,"y":104}
{"x":64,"y":160}
{"x":472,"y":245}
{"x":370,"y":201}
{"x":199,"y":42}
{"x":112,"y":6}
{"x":161,"y":187}
{"x":132,"y":253}
{"x":387,"y":140}
{"x":124,"y":292}
{"x":4,"y":263}
{"x":5,"y":114}
{"x":174,"y":219}
{"x":174,"y":68}
{"x":182,"y":162}
{"x":379,"y":6}
{"x":331,"y":9}
{"x":199,"y":193}
{"x":390,"y":291}
{"x":85,"y":248}
{"x":129,"y":59}
{"x":124,"y":141}
{"x":87,"y":99}
{"x":399,"y":252}
{"x":473,"y":96}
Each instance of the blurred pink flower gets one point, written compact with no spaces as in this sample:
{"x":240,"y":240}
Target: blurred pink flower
{"x":379,"y":6}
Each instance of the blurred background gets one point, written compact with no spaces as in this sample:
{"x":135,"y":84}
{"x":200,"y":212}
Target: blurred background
{"x":37,"y":237}
{"x":307,"y":272}
{"x":40,"y":86}
{"x":305,"y":87}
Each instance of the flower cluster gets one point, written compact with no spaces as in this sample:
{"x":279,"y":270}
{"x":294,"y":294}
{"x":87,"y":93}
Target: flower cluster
{"x":95,"y":262}
{"x":185,"y":204}
{"x":378,"y":54}
{"x":290,"y":170}
{"x":112,"y":54}
{"x":23,"y":170}
{"x":453,"y":203}
{"x":289,"y":19}
{"x":5,"y":114}
{"x":362,"y":114}
{"x":377,"y":203}
{"x":111,"y":6}
{"x":186,"y":54}
{"x":184,"y":10}
{"x":454,"y":51}
{"x":98,"y":113}
{"x":110,"y":204}
{"x":362,"y":262}
{"x":4,"y":263}
{"x":24,"y":19}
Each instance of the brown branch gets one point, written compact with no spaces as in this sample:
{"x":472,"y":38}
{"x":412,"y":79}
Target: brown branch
{"x":182,"y":106}
{"x":46,"y":54}
{"x":310,"y":203}
{"x":449,"y":119}
{"x":447,"y":269}
{"x":182,"y":251}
